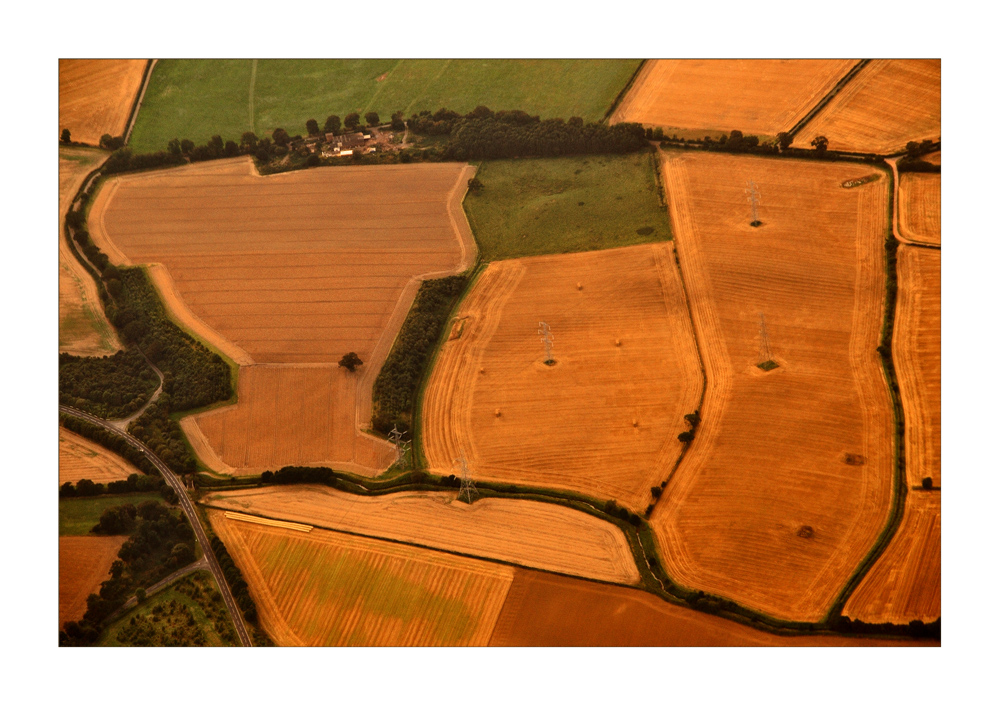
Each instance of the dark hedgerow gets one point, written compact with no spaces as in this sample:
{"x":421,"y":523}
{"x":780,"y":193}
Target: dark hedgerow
{"x":395,"y":388}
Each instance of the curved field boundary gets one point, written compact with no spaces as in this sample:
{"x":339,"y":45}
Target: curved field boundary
{"x":81,"y":458}
{"x":897,"y":208}
{"x":522,"y":532}
{"x":920,"y":207}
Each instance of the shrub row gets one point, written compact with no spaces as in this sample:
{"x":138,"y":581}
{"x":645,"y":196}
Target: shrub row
{"x":135,"y":483}
{"x":234,"y":577}
{"x":110,"y":386}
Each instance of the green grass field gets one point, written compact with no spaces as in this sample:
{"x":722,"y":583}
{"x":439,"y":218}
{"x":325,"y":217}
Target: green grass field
{"x":195,"y":99}
{"x":188,"y":612}
{"x":566,"y":204}
{"x":78,"y":515}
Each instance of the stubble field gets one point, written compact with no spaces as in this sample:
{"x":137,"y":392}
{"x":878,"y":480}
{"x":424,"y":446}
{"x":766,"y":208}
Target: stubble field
{"x":788,"y":482}
{"x":95,"y":96}
{"x":920,"y":207}
{"x":84,"y":563}
{"x":887,"y":104}
{"x":541,"y":535}
{"x":295,"y":270}
{"x":82,"y":458}
{"x":604,"y":419}
{"x":329,"y":589}
{"x":756,"y":96}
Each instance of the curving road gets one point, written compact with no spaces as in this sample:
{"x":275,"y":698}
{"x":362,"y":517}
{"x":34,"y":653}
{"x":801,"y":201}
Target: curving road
{"x":174,"y":482}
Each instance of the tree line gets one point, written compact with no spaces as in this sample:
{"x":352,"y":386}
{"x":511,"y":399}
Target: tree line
{"x":109,"y":387}
{"x":164,"y":436}
{"x":135,"y":483}
{"x":234,"y":577}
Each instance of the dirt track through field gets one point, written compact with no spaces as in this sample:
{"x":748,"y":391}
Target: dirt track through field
{"x":81,"y":458}
{"x":756,"y":96}
{"x":84,"y":563}
{"x":541,"y":535}
{"x":604,"y":419}
{"x":293,"y":271}
{"x":96,"y":95}
{"x":788,"y":481}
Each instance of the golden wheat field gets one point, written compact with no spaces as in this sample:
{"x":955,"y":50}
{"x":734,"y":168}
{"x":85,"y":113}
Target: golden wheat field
{"x":96,"y":95}
{"x":905,"y":583}
{"x":295,"y":270}
{"x":84,"y":563}
{"x":330,"y":589}
{"x":756,"y":96}
{"x":82,"y":458}
{"x":888,"y":103}
{"x":916,"y":347}
{"x":788,"y":481}
{"x":541,"y":535}
{"x":603,"y":420}
{"x":920,"y":207}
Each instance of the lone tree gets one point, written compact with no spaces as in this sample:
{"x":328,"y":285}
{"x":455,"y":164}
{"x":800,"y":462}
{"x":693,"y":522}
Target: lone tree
{"x":927,"y":483}
{"x":371,"y":118}
{"x":352,"y":121}
{"x":332,"y":124}
{"x":65,"y":135}
{"x":280,"y":137}
{"x":350,"y":361}
{"x":312,"y":126}
{"x":820,"y":143}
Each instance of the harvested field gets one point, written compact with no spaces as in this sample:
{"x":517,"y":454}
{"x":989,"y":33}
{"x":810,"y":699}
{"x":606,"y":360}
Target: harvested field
{"x":916,"y":348}
{"x":920,"y":207}
{"x":83,"y":327}
{"x":933,"y":157}
{"x":536,"y":613}
{"x":604,"y":419}
{"x":756,"y":96}
{"x":295,"y":270}
{"x":330,"y":589}
{"x":905,"y":583}
{"x":541,"y":535}
{"x":788,"y":482}
{"x":84,"y":563}
{"x":82,"y":458}
{"x":887,"y":104}
{"x":96,"y":95}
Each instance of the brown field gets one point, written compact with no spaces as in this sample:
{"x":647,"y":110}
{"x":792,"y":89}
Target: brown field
{"x":95,"y":96}
{"x":330,"y":589}
{"x":887,"y":104}
{"x":916,"y":346}
{"x":84,"y":563}
{"x":83,"y":328}
{"x":920,"y":207}
{"x":535,"y":534}
{"x":757,"y":96}
{"x":82,"y":458}
{"x":294,"y":270}
{"x":604,"y":419}
{"x":788,"y":482}
{"x":933,"y":157}
{"x":537,"y":613}
{"x":905,"y":583}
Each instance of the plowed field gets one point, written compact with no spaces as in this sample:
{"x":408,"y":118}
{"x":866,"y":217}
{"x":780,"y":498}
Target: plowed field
{"x":81,"y":458}
{"x":757,"y":96}
{"x":558,"y":611}
{"x":294,"y":269}
{"x":788,"y":482}
{"x":540,"y":535}
{"x":84,"y":563}
{"x":916,"y":346}
{"x":603,"y":420}
{"x":329,"y":589}
{"x":95,"y":96}
{"x":920,"y":207}
{"x":887,"y":104}
{"x":905,"y":583}
{"x":83,"y":328}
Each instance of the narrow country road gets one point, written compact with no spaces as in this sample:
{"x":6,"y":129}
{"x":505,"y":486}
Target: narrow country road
{"x":122,"y":424}
{"x":174,"y":482}
{"x":158,"y":586}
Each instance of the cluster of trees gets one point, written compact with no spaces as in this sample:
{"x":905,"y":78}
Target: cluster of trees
{"x":163,"y":435}
{"x":622,"y":513}
{"x":76,"y":226}
{"x":110,"y":386}
{"x":160,"y":542}
{"x":395,"y":388}
{"x":912,"y":162}
{"x":298,"y":474}
{"x":169,"y":625}
{"x":693,"y":420}
{"x":237,"y":584}
{"x":134,"y":484}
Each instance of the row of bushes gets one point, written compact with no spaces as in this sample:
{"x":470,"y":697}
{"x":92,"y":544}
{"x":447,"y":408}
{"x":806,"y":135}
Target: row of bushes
{"x":110,"y":386}
{"x":395,"y":390}
{"x":135,"y":483}
{"x":109,"y":440}
{"x":234,"y":577}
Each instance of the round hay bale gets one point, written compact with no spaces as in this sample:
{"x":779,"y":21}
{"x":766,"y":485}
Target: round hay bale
{"x":497,"y":413}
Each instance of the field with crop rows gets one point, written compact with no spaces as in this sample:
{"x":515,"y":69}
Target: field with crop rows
{"x":330,"y":589}
{"x":756,"y":96}
{"x":295,"y":270}
{"x":916,"y":347}
{"x":905,"y":583}
{"x":788,"y":482}
{"x":887,"y":104}
{"x":96,"y":95}
{"x":603,"y":420}
{"x":541,"y":535}
{"x":195,"y":98}
{"x":920,"y":207}
{"x":84,"y":563}
{"x":82,"y":458}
